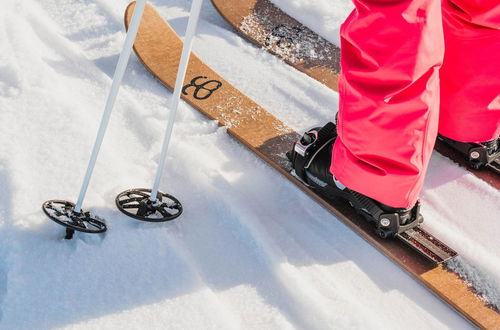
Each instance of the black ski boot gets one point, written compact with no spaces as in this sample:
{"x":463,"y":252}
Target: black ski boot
{"x":311,"y":159}
{"x":478,"y":155}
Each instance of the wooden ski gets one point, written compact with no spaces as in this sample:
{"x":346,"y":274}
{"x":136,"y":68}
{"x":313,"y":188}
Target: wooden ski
{"x":159,"y":49}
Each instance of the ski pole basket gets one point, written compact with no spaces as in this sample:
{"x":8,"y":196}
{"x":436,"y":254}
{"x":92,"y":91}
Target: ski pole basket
{"x":63,"y":213}
{"x":137,"y":203}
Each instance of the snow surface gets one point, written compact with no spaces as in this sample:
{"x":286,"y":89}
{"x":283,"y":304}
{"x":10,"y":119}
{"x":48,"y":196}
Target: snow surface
{"x":251,"y":251}
{"x":322,"y":16}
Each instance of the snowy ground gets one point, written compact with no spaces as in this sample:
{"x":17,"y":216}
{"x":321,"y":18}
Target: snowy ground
{"x":251,"y":251}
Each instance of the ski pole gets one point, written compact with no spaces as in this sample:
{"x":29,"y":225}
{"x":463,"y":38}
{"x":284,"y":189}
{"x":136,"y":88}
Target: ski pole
{"x":179,"y":82}
{"x":115,"y":87}
{"x":67,"y":213}
{"x":153,"y":205}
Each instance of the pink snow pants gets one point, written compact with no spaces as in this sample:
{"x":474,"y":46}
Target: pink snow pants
{"x":411,"y":68}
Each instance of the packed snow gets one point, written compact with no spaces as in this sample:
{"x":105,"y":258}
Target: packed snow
{"x":322,"y":16}
{"x":251,"y":251}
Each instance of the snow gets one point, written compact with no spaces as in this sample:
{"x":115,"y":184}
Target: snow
{"x":250,"y":251}
{"x":322,"y":16}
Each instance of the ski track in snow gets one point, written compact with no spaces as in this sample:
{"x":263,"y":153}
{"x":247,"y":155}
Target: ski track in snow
{"x":250,"y":252}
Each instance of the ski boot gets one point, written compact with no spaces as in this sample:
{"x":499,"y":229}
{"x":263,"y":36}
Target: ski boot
{"x":478,"y":155}
{"x":311,"y":159}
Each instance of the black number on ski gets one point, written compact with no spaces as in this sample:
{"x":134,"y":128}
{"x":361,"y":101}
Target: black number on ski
{"x":286,"y":36}
{"x":204,"y":90}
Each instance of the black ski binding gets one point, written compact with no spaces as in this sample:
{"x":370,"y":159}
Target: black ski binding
{"x":63,"y":212}
{"x":137,"y":203}
{"x":308,"y":145}
{"x":389,"y":222}
{"x":478,"y":154}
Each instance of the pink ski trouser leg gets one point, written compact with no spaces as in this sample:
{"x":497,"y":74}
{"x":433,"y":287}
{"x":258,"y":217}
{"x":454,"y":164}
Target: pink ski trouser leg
{"x":470,"y":76}
{"x":389,"y":98}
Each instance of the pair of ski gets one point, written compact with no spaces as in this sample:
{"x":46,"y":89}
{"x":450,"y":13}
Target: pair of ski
{"x":159,"y":49}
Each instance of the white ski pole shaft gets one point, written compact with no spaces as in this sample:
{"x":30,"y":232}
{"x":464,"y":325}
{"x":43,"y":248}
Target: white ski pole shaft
{"x":179,"y":82}
{"x":115,"y":86}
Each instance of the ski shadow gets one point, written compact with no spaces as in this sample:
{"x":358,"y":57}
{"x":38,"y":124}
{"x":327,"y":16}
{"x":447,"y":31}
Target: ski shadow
{"x":107,"y":64}
{"x":136,"y":75}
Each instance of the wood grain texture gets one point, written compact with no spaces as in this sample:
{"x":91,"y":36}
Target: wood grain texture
{"x":159,"y":48}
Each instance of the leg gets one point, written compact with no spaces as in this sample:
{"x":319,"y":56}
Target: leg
{"x":389,"y":98}
{"x":470,"y":76}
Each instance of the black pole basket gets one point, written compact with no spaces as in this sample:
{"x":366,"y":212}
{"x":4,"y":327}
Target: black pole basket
{"x":63,"y":213}
{"x":137,"y":204}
